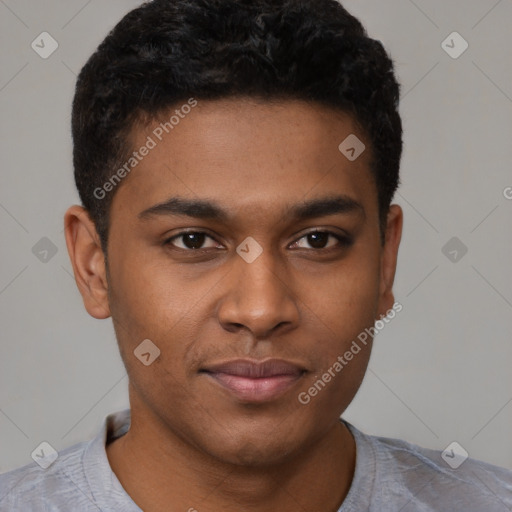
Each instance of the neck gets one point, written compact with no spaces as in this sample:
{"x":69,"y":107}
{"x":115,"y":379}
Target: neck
{"x":169,"y":474}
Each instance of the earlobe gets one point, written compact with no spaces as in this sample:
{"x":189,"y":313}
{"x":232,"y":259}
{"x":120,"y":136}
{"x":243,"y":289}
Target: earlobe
{"x":88,"y":261}
{"x":389,"y":259}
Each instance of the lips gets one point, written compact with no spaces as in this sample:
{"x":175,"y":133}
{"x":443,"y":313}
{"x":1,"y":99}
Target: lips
{"x":256,"y":369}
{"x":255,"y":381}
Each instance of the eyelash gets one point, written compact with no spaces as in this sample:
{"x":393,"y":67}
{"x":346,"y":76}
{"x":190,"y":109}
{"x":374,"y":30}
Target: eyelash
{"x":343,"y":241}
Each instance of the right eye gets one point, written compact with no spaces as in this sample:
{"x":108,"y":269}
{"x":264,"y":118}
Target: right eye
{"x":191,"y":241}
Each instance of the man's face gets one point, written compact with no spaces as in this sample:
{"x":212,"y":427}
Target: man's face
{"x":303,"y":300}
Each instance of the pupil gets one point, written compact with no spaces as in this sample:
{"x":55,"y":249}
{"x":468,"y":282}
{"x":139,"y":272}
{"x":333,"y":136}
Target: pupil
{"x":318,"y":240}
{"x":189,"y":240}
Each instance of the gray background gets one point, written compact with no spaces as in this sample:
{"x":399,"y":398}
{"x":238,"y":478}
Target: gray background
{"x":440,"y":370}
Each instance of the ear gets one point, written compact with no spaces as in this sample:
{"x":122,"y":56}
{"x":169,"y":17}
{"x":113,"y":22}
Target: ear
{"x":389,"y":256}
{"x":88,"y":261}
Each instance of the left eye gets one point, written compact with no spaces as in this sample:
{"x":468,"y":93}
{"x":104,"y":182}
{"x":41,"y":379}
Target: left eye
{"x":319,"y":239}
{"x":194,"y":240}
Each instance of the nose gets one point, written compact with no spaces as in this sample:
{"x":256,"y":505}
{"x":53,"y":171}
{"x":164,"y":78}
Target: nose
{"x":258,"y":296}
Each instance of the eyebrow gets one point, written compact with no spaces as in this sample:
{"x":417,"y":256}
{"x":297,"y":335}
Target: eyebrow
{"x":210,"y":210}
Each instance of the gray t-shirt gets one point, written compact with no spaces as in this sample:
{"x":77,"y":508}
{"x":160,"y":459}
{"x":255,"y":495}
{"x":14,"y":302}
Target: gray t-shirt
{"x":390,"y":475}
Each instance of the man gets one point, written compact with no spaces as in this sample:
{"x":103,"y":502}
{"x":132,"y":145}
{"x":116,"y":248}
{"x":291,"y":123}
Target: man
{"x":236,"y":162}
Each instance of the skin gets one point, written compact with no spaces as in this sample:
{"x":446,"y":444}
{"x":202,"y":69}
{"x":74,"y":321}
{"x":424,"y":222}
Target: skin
{"x":196,"y":446}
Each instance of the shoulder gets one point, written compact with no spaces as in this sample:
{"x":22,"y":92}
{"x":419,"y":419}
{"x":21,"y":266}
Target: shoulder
{"x":437,"y":480}
{"x":25,"y":488}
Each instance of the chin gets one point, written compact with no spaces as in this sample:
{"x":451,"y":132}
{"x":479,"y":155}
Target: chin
{"x":254,"y":452}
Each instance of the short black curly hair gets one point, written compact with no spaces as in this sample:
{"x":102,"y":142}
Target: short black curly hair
{"x":167,"y":51}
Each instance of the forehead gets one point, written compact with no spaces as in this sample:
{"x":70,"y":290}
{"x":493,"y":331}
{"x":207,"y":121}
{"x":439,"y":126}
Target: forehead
{"x":248,"y":155}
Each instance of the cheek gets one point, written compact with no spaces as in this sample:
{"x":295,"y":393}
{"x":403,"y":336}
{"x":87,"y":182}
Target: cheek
{"x":343,"y":305}
{"x":343,"y":311}
{"x":345,"y":298}
{"x":149,"y":294}
{"x":154,"y":301}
